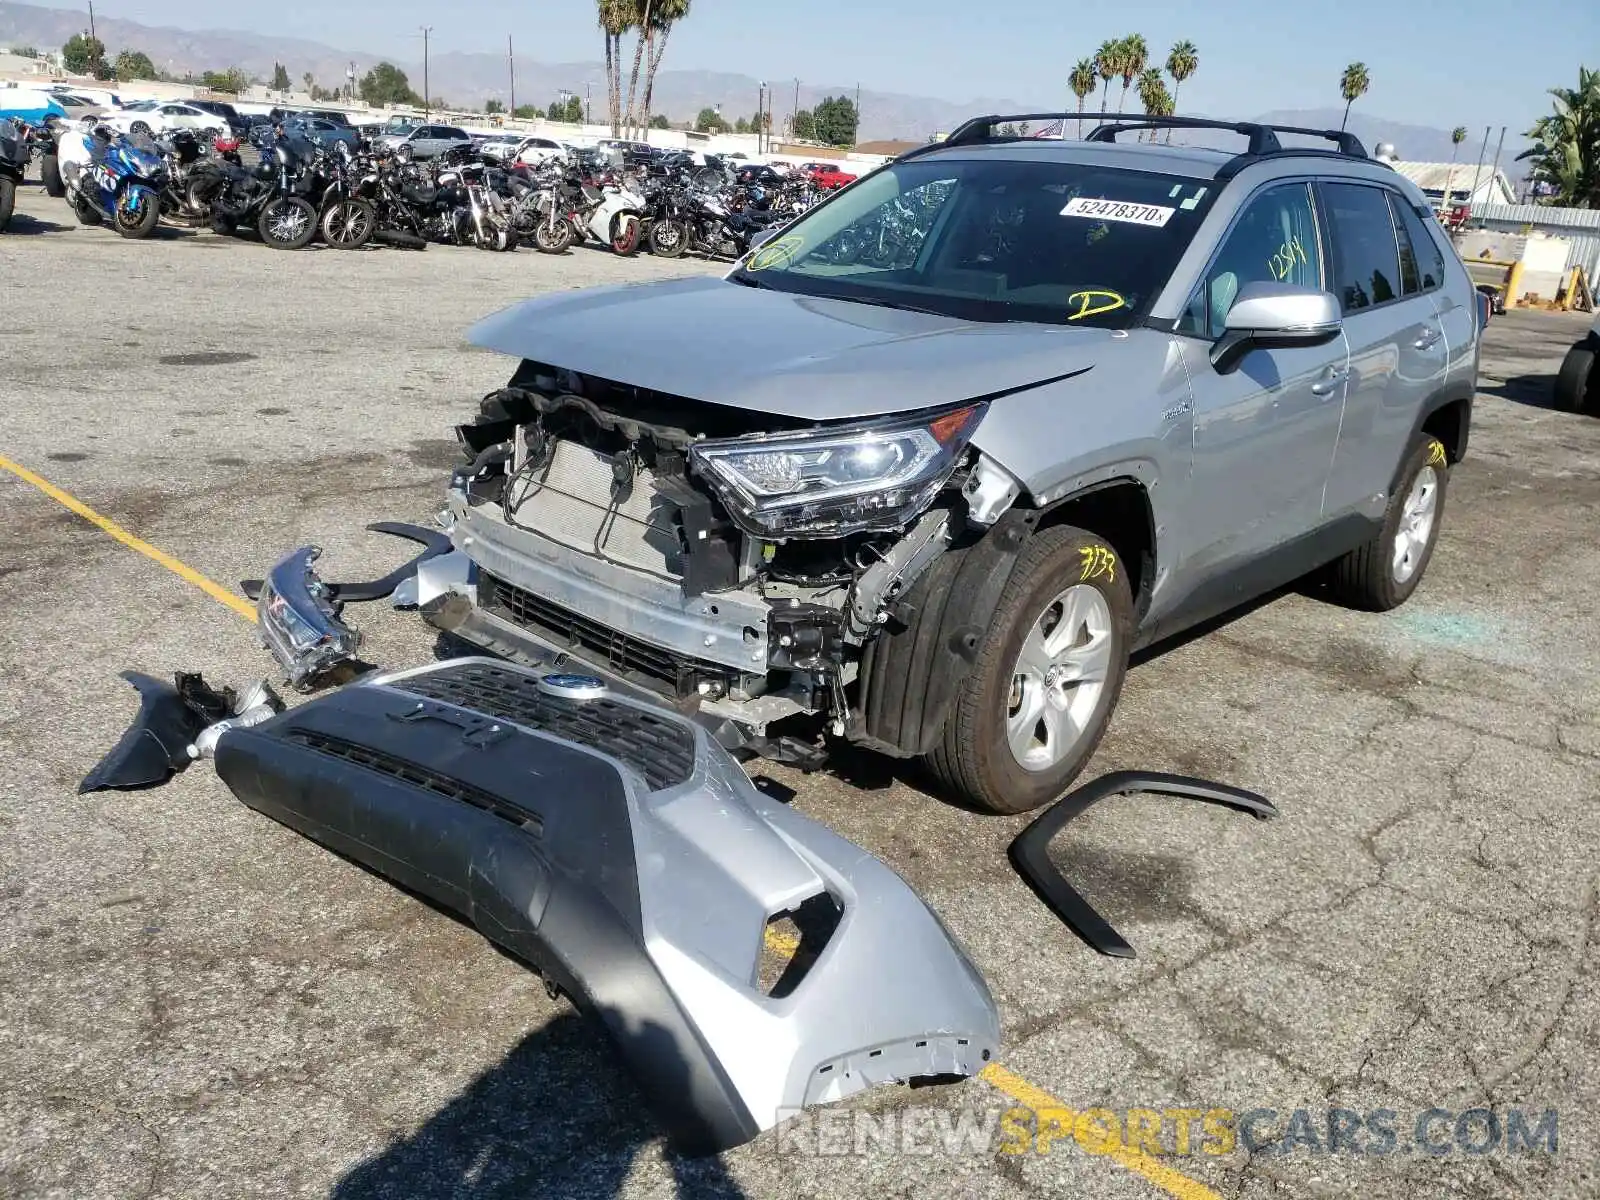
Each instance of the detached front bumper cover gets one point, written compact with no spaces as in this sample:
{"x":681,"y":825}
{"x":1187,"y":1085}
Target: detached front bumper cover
{"x":614,"y":847}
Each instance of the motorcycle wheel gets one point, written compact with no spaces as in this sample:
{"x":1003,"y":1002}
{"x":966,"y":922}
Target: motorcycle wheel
{"x":349,"y":224}
{"x":8,"y":200}
{"x":400,"y":239}
{"x":288,"y":223}
{"x":50,"y":173}
{"x":668,"y":239}
{"x":625,"y":236}
{"x":553,"y":241}
{"x":84,"y":211}
{"x":136,"y":213}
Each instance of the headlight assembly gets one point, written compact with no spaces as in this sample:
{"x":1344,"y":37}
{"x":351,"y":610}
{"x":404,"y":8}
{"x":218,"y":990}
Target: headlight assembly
{"x":835,"y":481}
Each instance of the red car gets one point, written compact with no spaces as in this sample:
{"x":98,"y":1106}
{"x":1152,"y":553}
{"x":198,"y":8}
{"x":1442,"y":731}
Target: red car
{"x":827,"y":175}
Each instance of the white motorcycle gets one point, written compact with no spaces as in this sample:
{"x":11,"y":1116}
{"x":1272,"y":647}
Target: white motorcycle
{"x":609,"y":213}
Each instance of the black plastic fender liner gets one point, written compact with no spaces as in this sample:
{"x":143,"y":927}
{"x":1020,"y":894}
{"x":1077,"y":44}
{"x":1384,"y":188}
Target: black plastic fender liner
{"x":434,"y":542}
{"x":525,"y":837}
{"x":156,"y":745}
{"x":1030,"y":851}
{"x":910,"y":671}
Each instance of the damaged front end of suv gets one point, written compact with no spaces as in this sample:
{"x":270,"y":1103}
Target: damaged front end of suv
{"x":738,"y":565}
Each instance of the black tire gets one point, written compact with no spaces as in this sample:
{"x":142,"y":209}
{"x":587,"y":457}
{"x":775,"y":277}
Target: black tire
{"x":276,"y":218}
{"x":1366,"y":578}
{"x":668,"y":239}
{"x":139,"y":127}
{"x":973,"y":761}
{"x":50,"y":174}
{"x":8,"y":200}
{"x":349,"y":224}
{"x":139,"y":224}
{"x":400,"y":239}
{"x":625,"y":236}
{"x":223,"y":226}
{"x":85,"y":212}
{"x":1578,"y":382}
{"x":553,"y":241}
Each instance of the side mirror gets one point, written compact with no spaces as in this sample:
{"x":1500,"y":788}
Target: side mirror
{"x":1275,"y":316}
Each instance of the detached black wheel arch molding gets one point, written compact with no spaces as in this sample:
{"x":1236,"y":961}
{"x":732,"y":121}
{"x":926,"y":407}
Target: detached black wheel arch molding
{"x":1030,"y":851}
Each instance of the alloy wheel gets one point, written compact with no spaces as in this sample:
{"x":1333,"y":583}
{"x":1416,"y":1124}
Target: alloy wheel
{"x":1059,"y":677}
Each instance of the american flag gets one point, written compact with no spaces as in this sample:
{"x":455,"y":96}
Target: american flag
{"x":1055,"y":130}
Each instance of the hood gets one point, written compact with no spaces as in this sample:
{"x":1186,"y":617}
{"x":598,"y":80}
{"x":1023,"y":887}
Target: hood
{"x":771,"y":352}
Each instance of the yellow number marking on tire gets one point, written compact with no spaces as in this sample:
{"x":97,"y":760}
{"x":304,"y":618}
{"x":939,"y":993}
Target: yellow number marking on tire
{"x":1097,"y":561}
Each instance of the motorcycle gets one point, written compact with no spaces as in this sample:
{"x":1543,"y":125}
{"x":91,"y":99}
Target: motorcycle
{"x":273,"y":198}
{"x":14,"y":155}
{"x":576,"y":210}
{"x":348,"y":218}
{"x":122,"y":185}
{"x":707,"y":224}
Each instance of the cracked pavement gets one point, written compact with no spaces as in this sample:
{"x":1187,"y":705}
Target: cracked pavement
{"x":199,"y":1002}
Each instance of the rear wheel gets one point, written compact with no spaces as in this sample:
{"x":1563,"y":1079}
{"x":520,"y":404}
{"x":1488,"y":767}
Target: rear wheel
{"x":1578,"y":383}
{"x":8,"y":200}
{"x":50,"y":173}
{"x":288,"y":223}
{"x":1382,"y":574}
{"x":668,"y":239}
{"x":400,"y":239}
{"x":1047,"y":675}
{"x":349,"y":224}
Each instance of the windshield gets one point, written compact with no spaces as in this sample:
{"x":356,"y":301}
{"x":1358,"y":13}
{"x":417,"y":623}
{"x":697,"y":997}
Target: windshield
{"x":993,"y":239}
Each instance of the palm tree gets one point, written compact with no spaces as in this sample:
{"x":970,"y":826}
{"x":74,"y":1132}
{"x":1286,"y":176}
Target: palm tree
{"x":1081,"y":81}
{"x":667,"y":13}
{"x":1183,"y":62}
{"x":641,"y":36}
{"x":1353,"y":85}
{"x":1108,"y":65}
{"x":1457,"y":136}
{"x":1134,"y":54}
{"x":1566,"y":149}
{"x":1152,"y":94}
{"x":616,"y":18}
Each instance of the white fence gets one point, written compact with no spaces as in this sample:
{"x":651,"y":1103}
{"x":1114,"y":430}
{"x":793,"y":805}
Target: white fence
{"x":1580,"y":226}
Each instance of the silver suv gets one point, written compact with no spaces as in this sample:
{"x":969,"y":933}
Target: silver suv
{"x":925,"y":468}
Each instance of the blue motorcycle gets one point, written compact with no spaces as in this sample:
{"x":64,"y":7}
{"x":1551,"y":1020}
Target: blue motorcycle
{"x":123,"y":186}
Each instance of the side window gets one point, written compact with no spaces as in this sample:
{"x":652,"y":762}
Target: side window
{"x":1274,"y":240}
{"x":1424,"y":249}
{"x":1366,"y":255}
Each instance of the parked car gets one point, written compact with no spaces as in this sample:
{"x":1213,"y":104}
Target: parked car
{"x":331,"y":115}
{"x":1578,"y":383}
{"x":430,"y":141}
{"x":978,"y":428}
{"x":323,"y":133}
{"x":237,"y":125}
{"x":396,"y":130}
{"x":634,"y":154}
{"x":533,"y":151}
{"x":159,"y":116}
{"x":827,"y":175}
{"x":78,"y":107}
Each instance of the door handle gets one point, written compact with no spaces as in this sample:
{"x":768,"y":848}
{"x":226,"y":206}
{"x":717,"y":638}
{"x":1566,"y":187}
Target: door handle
{"x":1428,"y":339}
{"x":1329,"y":381}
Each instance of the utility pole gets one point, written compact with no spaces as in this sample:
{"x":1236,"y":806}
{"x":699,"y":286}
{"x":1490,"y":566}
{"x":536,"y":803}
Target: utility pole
{"x":588,"y":113}
{"x":1494,"y":171}
{"x":857,"y":138}
{"x":511,"y":64}
{"x":427,"y":96}
{"x":1478,"y":170}
{"x":95,"y":60}
{"x":794,"y":115}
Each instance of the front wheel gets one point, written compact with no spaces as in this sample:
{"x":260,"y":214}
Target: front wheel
{"x":349,"y":224}
{"x":1382,"y":574}
{"x":288,"y":223}
{"x":1578,"y":382}
{"x":50,"y":174}
{"x":668,"y":239}
{"x":625,"y":236}
{"x":8,"y":200}
{"x":84,"y":211}
{"x":553,"y":239}
{"x":138,"y":209}
{"x":1047,"y":674}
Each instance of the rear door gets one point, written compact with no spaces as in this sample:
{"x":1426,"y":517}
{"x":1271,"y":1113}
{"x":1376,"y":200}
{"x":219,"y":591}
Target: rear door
{"x":1398,"y":352}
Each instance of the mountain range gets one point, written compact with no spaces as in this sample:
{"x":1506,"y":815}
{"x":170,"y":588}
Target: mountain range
{"x":472,"y":79}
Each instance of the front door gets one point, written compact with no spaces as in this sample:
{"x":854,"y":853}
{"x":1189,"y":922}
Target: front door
{"x":1264,"y":432}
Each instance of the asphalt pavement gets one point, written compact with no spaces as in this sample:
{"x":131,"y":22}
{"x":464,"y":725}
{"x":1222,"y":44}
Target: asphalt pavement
{"x":195,"y":1001}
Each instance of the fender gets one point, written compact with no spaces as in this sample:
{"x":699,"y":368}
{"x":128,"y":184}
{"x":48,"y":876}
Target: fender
{"x":910,"y":671}
{"x":1451,"y":393}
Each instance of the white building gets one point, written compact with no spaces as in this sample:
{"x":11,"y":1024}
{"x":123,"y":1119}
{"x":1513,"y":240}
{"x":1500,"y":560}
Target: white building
{"x":1492,"y":185}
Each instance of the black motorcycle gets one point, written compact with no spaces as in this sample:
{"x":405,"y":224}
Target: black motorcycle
{"x":691,"y":220}
{"x":14,"y":156}
{"x":348,"y":217}
{"x":275,"y":198}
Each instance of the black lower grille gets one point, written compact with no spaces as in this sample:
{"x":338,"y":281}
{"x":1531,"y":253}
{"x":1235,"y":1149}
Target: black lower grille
{"x":398,"y":768}
{"x":658,"y":748}
{"x":626,"y":656}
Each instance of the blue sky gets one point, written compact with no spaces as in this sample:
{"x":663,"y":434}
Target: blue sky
{"x":1472,"y":62}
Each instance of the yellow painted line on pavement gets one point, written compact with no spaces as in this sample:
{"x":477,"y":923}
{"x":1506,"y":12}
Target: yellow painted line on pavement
{"x":1173,"y":1183}
{"x":106,"y":525}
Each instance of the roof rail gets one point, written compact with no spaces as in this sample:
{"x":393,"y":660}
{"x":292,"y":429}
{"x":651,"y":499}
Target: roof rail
{"x":1263,"y":137}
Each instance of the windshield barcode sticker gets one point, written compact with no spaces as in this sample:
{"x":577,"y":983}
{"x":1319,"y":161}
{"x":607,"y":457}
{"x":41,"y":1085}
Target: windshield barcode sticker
{"x":1118,"y":210}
